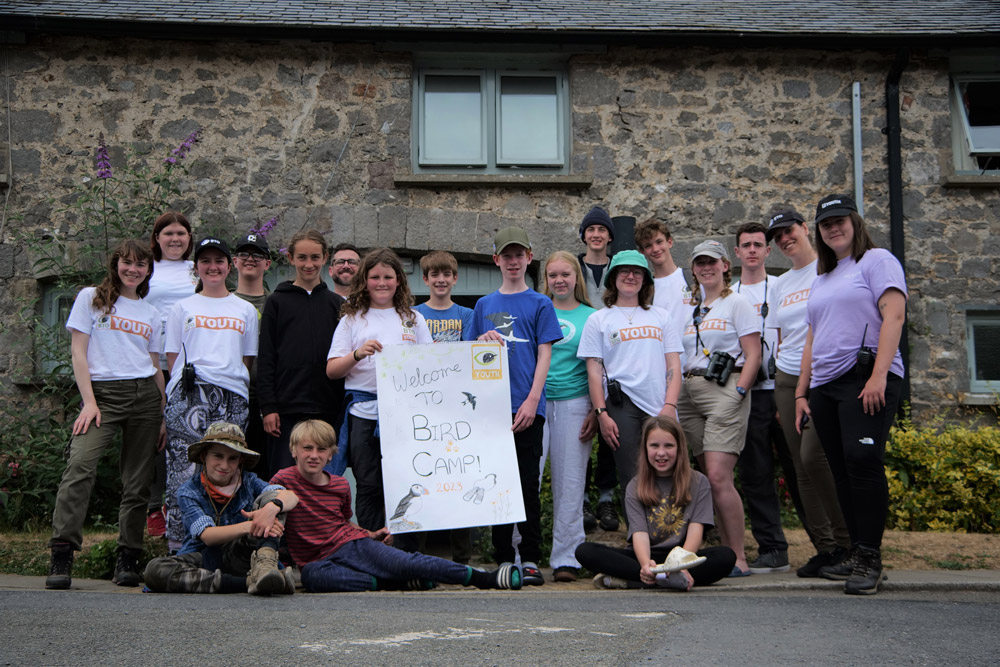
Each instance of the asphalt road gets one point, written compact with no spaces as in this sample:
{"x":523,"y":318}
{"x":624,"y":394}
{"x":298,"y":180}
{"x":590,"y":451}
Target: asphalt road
{"x":460,"y":627}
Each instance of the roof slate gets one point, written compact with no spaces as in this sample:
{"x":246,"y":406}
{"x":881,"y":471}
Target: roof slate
{"x":793,"y":17}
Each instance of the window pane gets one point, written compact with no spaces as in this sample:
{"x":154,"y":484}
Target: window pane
{"x":452,"y":121}
{"x":981,"y":100}
{"x":529,"y":120}
{"x":987,"y":351}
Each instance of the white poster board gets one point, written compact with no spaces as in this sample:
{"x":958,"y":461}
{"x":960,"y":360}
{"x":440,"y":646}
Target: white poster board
{"x":448,"y":458}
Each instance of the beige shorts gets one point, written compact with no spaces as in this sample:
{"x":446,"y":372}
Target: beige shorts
{"x":714,"y":417}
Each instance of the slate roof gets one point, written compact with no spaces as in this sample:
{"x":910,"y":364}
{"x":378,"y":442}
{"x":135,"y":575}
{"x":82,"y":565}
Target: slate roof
{"x":898,"y":18}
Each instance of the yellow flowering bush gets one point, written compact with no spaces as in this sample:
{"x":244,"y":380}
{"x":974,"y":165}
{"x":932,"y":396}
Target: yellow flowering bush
{"x":944,"y":479}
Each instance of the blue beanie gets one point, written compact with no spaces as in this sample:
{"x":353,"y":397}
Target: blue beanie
{"x":598,"y":216}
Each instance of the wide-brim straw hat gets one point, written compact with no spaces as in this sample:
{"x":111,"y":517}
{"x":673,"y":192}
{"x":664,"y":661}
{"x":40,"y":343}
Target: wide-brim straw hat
{"x":227,"y":435}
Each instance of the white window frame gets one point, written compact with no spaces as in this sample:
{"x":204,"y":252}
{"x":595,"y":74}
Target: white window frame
{"x":491,"y":75}
{"x":56,"y":304}
{"x":970,"y":65}
{"x":972,"y":320}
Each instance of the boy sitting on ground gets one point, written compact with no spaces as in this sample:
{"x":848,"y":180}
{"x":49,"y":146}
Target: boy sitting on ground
{"x":334,"y":553}
{"x":232,"y":523}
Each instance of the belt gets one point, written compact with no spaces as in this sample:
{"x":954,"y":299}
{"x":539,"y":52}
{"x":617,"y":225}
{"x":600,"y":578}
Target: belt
{"x":700,"y":372}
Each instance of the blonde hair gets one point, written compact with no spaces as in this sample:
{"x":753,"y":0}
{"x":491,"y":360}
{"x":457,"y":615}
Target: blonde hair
{"x":315,"y":430}
{"x":580,"y":291}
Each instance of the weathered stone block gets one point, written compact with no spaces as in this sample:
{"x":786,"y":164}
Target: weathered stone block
{"x":34,"y":126}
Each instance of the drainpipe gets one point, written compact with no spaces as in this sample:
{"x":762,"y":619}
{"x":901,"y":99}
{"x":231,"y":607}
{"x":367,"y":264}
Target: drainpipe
{"x":895,"y":162}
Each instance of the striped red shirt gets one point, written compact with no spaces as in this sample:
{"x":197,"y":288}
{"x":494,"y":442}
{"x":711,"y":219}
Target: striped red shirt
{"x":321,"y":522}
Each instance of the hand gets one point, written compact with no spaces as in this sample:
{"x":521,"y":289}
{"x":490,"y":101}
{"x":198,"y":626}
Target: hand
{"x":272,"y":424}
{"x":492,"y":336}
{"x":369,"y":348}
{"x":589,"y":427}
{"x":525,"y":415}
{"x":873,"y":395}
{"x":690,"y":579}
{"x":161,"y":440}
{"x":801,"y":410}
{"x":669,"y":411}
{"x":88,"y":413}
{"x":262,"y":521}
{"x":646,"y":575}
{"x":609,"y":429}
{"x":381,"y":535}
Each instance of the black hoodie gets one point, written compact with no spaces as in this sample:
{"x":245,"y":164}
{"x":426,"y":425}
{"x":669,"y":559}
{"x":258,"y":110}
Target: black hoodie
{"x":296,"y":329}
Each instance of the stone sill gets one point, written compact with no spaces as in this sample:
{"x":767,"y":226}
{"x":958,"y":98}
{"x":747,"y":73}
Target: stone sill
{"x":954,"y":180}
{"x":562,"y":181}
{"x":970,"y":398}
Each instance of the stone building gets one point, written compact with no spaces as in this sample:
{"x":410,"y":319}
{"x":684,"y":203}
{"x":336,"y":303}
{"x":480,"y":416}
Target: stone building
{"x":423,"y":125}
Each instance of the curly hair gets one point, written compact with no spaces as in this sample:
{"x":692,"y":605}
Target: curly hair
{"x":110,"y":289}
{"x":645,"y":475}
{"x":359,"y":300}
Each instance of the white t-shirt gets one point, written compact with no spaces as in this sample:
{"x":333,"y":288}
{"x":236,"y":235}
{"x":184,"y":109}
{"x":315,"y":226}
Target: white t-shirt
{"x":387,"y":327}
{"x":673,"y":294}
{"x":788,"y":314}
{"x":216,"y":335}
{"x":755,"y":295}
{"x":120,"y":342}
{"x":171,"y":281}
{"x":727,"y":319}
{"x":633,"y":351}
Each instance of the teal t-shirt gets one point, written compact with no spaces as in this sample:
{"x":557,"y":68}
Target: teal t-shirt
{"x":567,"y":376}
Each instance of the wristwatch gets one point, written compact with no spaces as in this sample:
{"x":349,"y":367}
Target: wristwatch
{"x":598,"y":411}
{"x":741,"y":391}
{"x":281,"y":505}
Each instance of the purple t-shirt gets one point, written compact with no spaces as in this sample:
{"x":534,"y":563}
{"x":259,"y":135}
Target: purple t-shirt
{"x":841,"y":303}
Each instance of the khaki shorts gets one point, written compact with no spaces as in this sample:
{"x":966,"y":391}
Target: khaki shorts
{"x":714,"y":417}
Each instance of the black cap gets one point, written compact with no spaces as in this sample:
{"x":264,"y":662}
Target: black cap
{"x":257,"y":241}
{"x":212,"y":242}
{"x":781,"y":220}
{"x":834,"y":205}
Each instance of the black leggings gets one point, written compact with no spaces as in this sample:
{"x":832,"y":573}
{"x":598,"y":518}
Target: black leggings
{"x":623,"y":564}
{"x":854,"y":444}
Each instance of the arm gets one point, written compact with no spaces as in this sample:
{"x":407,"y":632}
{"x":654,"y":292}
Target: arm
{"x":171,"y":358}
{"x":892,"y":307}
{"x":609,"y":429}
{"x":640,"y":544}
{"x":248,"y":362}
{"x":161,"y":442}
{"x":673,"y":384}
{"x":262,"y":522}
{"x":751,"y":347}
{"x":89,"y":412}
{"x":802,"y":410}
{"x":339,"y":367}
{"x":525,"y":416}
{"x":267,"y":392}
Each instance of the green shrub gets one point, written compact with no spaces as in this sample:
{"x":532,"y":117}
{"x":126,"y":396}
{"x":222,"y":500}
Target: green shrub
{"x":944,"y":478}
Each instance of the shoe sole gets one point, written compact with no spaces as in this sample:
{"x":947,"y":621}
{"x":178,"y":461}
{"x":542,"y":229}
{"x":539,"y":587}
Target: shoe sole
{"x":272,"y":583}
{"x":770,"y":570}
{"x":58,"y":584}
{"x":866,"y":591}
{"x":130,"y":581}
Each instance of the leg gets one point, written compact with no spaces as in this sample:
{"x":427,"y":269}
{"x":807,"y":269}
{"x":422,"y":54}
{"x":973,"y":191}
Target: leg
{"x":181,"y":574}
{"x":612,"y":561}
{"x":629,"y":419}
{"x":366,"y":462}
{"x":569,"y":457}
{"x":528,"y":444}
{"x":826,"y":422}
{"x":720,"y":563}
{"x":186,"y":419}
{"x":718,"y":468}
{"x":139,"y":437}
{"x":757,"y":475}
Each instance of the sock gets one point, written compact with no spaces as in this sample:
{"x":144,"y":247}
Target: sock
{"x":269,"y":542}
{"x":605,"y":495}
{"x":233,"y":584}
{"x":481,"y":579}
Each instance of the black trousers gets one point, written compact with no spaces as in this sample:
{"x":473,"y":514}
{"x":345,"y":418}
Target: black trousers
{"x":528,"y":444}
{"x":622,"y":563}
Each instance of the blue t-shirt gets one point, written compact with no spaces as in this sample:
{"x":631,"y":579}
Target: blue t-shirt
{"x":448,"y":325}
{"x":525,"y":320}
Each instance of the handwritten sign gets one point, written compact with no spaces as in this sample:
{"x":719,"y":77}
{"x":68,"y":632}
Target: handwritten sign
{"x":448,"y":458}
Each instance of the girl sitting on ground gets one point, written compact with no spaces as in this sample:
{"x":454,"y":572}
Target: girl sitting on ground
{"x":668,"y":505}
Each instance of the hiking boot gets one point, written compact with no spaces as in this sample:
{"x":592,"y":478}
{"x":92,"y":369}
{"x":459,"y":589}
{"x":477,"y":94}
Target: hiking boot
{"x":607,"y":515}
{"x":127,"y":567}
{"x":265,"y":578}
{"x":589,"y":520}
{"x":811,"y":569}
{"x":867,"y":574}
{"x":769,"y":562}
{"x":289,"y":581}
{"x":842,"y":569}
{"x":60,"y":569}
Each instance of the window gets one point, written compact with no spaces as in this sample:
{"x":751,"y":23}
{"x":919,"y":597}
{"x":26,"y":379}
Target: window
{"x":491,"y":121}
{"x":976,"y":111}
{"x":52,"y":339}
{"x":983,"y":341}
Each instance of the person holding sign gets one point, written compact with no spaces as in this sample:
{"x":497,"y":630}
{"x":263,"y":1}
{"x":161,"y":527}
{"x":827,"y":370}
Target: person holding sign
{"x":524,"y":321}
{"x":570,"y":424}
{"x":633,"y":347}
{"x":379,"y":311}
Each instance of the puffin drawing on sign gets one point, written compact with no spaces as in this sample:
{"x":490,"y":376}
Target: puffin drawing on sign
{"x":409,"y":505}
{"x":478,"y":491}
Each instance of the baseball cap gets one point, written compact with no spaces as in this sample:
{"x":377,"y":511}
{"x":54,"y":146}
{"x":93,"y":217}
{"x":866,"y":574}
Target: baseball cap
{"x":834,"y":205}
{"x":710,"y":249}
{"x":212,"y":242}
{"x":781,"y":220}
{"x":254,"y":241}
{"x":510,"y":236}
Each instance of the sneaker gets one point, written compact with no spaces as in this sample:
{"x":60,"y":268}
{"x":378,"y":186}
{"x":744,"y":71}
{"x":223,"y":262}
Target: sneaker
{"x":609,"y":582}
{"x":564,"y":574}
{"x":60,"y":569}
{"x":589,"y":520}
{"x":608,"y":516}
{"x":507,"y":577}
{"x":265,"y":578}
{"x":769,"y":562}
{"x":531,"y":575}
{"x":679,"y":559}
{"x":127,"y":567}
{"x":842,"y":569}
{"x":156,"y":523}
{"x":823,"y":558}
{"x":867,"y":574}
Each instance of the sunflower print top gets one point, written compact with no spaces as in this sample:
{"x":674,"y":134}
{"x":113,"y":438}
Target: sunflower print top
{"x":665,"y":522}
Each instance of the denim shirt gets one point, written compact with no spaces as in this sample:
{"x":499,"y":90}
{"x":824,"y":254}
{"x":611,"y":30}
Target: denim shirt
{"x":199,"y":511}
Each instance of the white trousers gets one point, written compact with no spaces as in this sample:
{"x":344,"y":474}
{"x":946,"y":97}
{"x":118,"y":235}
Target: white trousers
{"x":569,"y":455}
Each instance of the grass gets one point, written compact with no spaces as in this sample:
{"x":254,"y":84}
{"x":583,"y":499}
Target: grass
{"x":28,"y":554}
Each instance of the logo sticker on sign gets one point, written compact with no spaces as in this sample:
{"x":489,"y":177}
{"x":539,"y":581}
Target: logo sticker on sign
{"x":486,"y":362}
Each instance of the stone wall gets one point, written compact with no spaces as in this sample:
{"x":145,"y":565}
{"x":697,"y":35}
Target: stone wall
{"x":703,"y":139}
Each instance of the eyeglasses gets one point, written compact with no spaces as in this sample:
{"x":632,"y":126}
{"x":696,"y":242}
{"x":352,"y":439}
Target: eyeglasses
{"x":260,"y":257}
{"x":348,"y":262}
{"x":630,"y":271}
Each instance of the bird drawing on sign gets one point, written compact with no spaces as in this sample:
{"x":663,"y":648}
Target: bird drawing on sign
{"x":408,"y":505}
{"x":469,"y":400}
{"x":478,"y":491}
